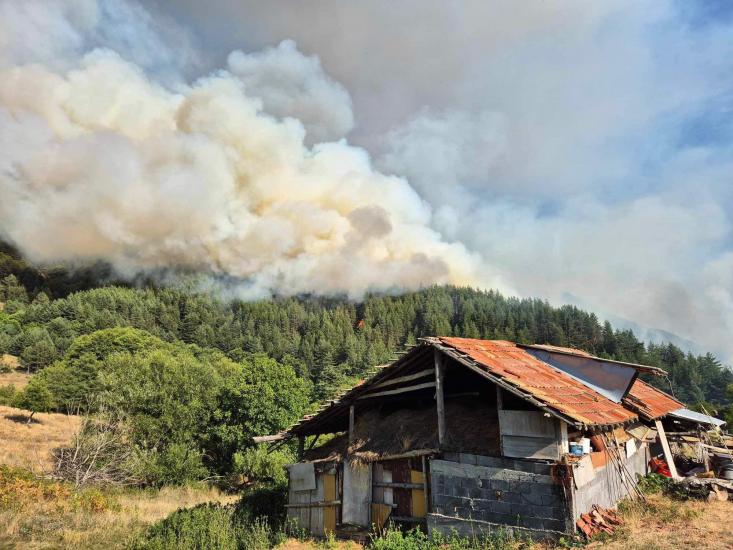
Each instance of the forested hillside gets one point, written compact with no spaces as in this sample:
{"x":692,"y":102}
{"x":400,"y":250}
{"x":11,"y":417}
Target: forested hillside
{"x":197,"y":377}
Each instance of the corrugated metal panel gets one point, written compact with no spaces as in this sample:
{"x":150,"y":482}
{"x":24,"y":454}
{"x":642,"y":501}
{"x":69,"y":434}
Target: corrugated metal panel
{"x":556,"y":389}
{"x":650,"y":402}
{"x":694,"y":416}
{"x":609,"y":379}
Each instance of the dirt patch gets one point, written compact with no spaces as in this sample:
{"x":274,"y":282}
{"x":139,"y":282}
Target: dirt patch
{"x":29,"y":445}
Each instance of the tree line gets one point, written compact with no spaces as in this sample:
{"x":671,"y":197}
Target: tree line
{"x":195,"y":377}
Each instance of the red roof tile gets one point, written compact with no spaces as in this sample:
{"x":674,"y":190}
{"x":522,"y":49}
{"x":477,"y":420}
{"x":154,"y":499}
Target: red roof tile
{"x":650,"y":402}
{"x":547,"y":384}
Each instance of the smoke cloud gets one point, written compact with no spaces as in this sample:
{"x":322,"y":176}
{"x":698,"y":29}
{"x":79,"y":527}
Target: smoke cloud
{"x":569,"y":150}
{"x":101,"y":161}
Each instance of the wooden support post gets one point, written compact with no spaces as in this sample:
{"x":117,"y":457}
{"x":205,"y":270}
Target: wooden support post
{"x":425,"y":484}
{"x":301,"y":447}
{"x":351,"y":424}
{"x":563,"y":438}
{"x":665,"y":447}
{"x":439,"y":371}
{"x":499,"y":408}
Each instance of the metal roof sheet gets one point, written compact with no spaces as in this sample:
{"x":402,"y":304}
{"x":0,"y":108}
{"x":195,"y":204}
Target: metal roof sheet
{"x":694,"y":416}
{"x":557,"y":390}
{"x":580,"y":353}
{"x":650,"y":402}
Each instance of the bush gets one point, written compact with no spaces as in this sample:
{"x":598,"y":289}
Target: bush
{"x":256,"y":463}
{"x":207,"y":526}
{"x":177,"y":464}
{"x":394,"y":539}
{"x":264,"y":502}
{"x":8,"y":395}
{"x":653,"y":483}
{"x":35,"y":397}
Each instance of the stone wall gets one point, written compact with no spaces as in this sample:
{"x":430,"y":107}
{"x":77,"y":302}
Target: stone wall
{"x":474,"y":494}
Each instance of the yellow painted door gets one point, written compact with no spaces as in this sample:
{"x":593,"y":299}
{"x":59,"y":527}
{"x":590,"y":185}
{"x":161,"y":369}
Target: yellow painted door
{"x":418,"y":495}
{"x":329,"y":512}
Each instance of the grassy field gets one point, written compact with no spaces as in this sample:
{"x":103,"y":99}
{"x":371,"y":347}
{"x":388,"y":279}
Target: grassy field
{"x":29,"y":445}
{"x":49,"y":515}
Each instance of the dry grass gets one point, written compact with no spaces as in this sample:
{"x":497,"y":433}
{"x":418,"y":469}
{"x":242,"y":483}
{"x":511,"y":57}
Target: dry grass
{"x":38,"y":526}
{"x":29,"y":445}
{"x":666,"y":524}
{"x":10,"y":360}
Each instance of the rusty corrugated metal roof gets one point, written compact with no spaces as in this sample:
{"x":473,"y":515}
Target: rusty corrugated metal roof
{"x":547,"y":384}
{"x":650,"y":402}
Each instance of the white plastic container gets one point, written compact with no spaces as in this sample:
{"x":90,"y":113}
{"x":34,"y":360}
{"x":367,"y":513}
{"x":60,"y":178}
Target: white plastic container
{"x":585,"y":442}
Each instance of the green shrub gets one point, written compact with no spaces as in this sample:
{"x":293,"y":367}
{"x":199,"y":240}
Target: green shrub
{"x":256,"y":463}
{"x":35,"y":397}
{"x":264,"y":502}
{"x":394,"y":539}
{"x":654,"y":483}
{"x":8,"y":395}
{"x":208,"y":526}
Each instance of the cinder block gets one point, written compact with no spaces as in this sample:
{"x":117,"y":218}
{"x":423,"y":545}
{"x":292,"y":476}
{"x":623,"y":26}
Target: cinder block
{"x":530,"y":522}
{"x":549,"y":489}
{"x":470,"y":483}
{"x":500,"y":485}
{"x":466,"y":458}
{"x":523,"y":466}
{"x":500,"y":507}
{"x":553,"y":525}
{"x":506,"y":519}
{"x":559,"y":513}
{"x":453,"y":457}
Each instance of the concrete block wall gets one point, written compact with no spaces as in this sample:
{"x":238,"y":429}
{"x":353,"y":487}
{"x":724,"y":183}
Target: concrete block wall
{"x":472,"y":492}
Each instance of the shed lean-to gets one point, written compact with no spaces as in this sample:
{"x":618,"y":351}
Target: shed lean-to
{"x":471,"y":435}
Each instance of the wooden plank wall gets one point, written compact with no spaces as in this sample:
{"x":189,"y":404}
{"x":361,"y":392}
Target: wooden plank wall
{"x":317,"y":520}
{"x":529,"y":434}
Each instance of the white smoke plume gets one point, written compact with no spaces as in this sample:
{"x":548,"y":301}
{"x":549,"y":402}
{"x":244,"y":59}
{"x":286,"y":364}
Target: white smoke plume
{"x":101,"y":160}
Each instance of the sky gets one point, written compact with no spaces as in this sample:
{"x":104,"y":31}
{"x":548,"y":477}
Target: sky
{"x":569,"y":150}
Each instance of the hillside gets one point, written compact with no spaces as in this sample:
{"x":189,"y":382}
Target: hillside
{"x":178,"y":382}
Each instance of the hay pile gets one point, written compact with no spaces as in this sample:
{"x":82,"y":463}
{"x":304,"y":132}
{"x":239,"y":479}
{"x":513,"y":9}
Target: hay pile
{"x":471,"y":426}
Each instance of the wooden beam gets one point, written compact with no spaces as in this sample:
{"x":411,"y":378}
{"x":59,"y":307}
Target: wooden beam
{"x":408,"y":454}
{"x":399,"y":390}
{"x":406,"y":378}
{"x":271,"y":438}
{"x":667,"y":451}
{"x":425,"y":484}
{"x":351,"y":424}
{"x":471,"y":364}
{"x":439,"y":370}
{"x":499,"y":408}
{"x":324,"y":504}
{"x":301,"y":447}
{"x":395,"y":485}
{"x":408,"y":519}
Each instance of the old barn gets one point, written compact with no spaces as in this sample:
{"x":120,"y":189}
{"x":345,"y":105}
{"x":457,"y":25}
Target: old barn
{"x":472,"y":435}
